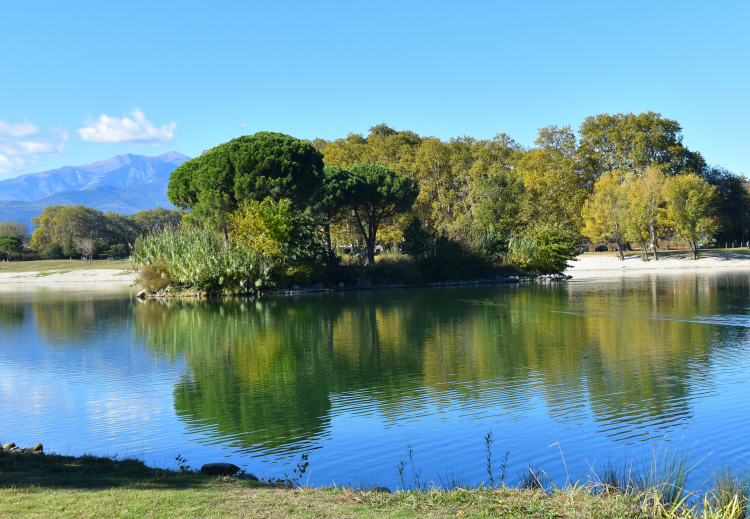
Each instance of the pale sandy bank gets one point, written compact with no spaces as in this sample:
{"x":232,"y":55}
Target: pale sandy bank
{"x":607,"y":264}
{"x":123,"y":277}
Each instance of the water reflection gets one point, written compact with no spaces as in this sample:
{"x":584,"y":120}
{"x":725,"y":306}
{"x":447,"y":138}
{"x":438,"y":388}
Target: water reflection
{"x":624,"y":356}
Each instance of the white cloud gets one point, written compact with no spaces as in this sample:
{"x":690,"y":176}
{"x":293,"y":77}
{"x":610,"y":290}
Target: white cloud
{"x":242,"y":125}
{"x":23,"y":129}
{"x":10,"y":147}
{"x":16,"y":152}
{"x":137,"y":131}
{"x":10,"y":166}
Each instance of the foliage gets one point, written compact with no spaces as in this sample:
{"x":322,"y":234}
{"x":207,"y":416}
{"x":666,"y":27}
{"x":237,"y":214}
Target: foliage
{"x":9,"y":244}
{"x":732,"y":205}
{"x":280,"y":237}
{"x":543,"y":247}
{"x":629,"y":142}
{"x":416,"y":239}
{"x":605,"y":213}
{"x":65,"y":224}
{"x":337,"y":187}
{"x":69,"y":249}
{"x":252,"y":167}
{"x":378,"y":193}
{"x":690,"y":201}
{"x":556,"y":183}
{"x":200,"y":260}
{"x":646,"y":208}
{"x":13,"y":228}
{"x":53,"y":251}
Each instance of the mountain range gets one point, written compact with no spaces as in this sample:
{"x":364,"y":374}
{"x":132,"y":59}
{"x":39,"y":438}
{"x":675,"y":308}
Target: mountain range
{"x":125,"y":184}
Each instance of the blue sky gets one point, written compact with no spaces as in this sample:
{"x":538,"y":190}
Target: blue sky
{"x":83,"y":81}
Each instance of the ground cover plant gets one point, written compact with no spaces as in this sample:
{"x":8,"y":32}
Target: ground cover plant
{"x":54,"y":485}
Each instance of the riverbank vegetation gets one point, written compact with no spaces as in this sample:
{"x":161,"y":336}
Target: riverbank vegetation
{"x":77,"y":231}
{"x":442,"y":210}
{"x":394,"y":205}
{"x":53,"y":485}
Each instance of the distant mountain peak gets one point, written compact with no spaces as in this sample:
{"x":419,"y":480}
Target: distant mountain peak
{"x":118,"y":171}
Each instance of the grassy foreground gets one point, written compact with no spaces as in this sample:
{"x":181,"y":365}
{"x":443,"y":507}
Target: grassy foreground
{"x":34,"y":485}
{"x":52,"y":485}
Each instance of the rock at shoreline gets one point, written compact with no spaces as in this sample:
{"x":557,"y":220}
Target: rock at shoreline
{"x":9,"y":446}
{"x":220,"y":469}
{"x":249,"y":477}
{"x":39,"y":448}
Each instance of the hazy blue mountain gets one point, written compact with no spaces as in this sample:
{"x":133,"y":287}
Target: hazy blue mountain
{"x":119,"y":171}
{"x":124,"y":200}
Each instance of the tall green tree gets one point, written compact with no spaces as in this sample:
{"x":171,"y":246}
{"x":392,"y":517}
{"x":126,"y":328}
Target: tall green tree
{"x":646,"y":208}
{"x":252,"y":167}
{"x":690,"y":202}
{"x":337,"y":187}
{"x":9,"y":244}
{"x":555,"y":182}
{"x":733,"y":220}
{"x":633,"y":142}
{"x":378,"y":193}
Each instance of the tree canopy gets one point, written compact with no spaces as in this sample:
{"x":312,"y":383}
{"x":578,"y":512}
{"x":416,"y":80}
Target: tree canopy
{"x":378,"y":193}
{"x":252,"y":167}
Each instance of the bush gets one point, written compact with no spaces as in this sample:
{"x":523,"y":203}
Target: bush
{"x":53,"y":251}
{"x":200,"y":260}
{"x":543,"y":248}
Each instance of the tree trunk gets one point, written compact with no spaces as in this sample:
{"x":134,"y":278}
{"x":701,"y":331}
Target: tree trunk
{"x":693,"y":249}
{"x":622,"y":256}
{"x":327,"y":233}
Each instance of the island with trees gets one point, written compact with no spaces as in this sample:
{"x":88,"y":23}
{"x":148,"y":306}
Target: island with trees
{"x":393,"y":207}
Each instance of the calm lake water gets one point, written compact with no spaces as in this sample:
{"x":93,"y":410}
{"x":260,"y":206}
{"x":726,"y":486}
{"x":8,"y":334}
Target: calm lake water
{"x":592,"y":368}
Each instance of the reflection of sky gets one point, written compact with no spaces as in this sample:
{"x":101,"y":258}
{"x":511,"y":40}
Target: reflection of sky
{"x":100,"y":391}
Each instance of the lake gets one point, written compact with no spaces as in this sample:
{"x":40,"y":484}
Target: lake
{"x":565,"y":375}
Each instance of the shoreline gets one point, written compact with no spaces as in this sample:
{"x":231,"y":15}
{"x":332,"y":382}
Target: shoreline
{"x":587,"y":265}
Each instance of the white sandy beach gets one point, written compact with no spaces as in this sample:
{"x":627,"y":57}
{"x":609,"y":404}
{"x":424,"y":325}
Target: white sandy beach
{"x":602,"y":264}
{"x":99,"y":276}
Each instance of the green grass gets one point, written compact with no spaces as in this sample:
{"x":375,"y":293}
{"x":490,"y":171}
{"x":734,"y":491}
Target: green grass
{"x":53,"y":485}
{"x":91,"y":486}
{"x":47,"y":267}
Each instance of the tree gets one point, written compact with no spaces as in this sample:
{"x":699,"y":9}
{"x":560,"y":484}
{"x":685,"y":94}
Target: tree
{"x":733,"y":203}
{"x":378,"y":193}
{"x":629,"y":142}
{"x":69,"y":249}
{"x":9,"y":244}
{"x":252,"y":167}
{"x":606,"y":211}
{"x":337,"y":186}
{"x":86,"y":247}
{"x":13,"y":228}
{"x":646,"y":204}
{"x":690,"y":201}
{"x":556,"y":183}
{"x":58,"y":222}
{"x":154,"y":220}
{"x":281,"y":236}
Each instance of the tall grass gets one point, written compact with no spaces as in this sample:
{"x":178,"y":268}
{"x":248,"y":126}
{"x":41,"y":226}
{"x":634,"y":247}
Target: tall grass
{"x":199,"y":260}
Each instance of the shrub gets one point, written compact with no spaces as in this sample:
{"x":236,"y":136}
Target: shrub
{"x":198,"y":259}
{"x":53,"y":251}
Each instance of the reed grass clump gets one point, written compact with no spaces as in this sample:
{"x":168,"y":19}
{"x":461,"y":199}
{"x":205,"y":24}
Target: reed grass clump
{"x":199,"y":260}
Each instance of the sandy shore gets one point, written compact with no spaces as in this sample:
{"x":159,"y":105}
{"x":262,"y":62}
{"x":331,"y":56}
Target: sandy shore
{"x":603,"y":264}
{"x":108,"y":277}
{"x":585,"y":265}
